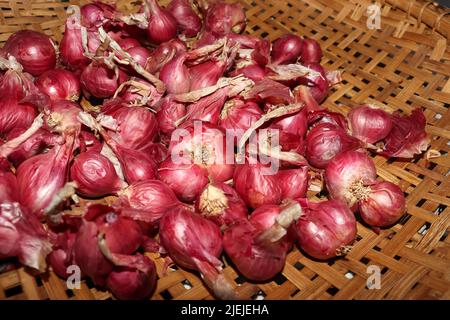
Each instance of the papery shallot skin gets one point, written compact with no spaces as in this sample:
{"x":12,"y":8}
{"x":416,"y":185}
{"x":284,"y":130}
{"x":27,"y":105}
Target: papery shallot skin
{"x":407,"y":137}
{"x":23,"y":236}
{"x":383,"y":205}
{"x":348,"y":171}
{"x":369,"y":124}
{"x":326,"y":229}
{"x":34,"y":50}
{"x":94,"y":175}
{"x":34,"y":145}
{"x":221,"y":204}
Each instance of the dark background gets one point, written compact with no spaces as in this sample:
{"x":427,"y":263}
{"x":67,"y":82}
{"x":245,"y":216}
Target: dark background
{"x":445,"y":3}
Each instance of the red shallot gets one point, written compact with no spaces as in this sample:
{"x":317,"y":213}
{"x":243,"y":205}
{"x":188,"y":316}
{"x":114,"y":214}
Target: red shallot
{"x":59,"y":84}
{"x":326,"y":229}
{"x":382,"y":204}
{"x":194,"y":242}
{"x":325,"y":141}
{"x":95,"y":175}
{"x":221,"y":204}
{"x":347,"y":174}
{"x":369,"y":123}
{"x":34,"y":50}
{"x":258,"y":248}
{"x":286,"y":49}
{"x":188,"y":21}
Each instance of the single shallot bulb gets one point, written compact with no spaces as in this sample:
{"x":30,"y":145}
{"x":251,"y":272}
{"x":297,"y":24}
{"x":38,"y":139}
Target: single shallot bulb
{"x":35,"y":51}
{"x":162,"y":26}
{"x":95,"y":175}
{"x":221,"y":204}
{"x":311,"y":51}
{"x":223,"y":18}
{"x":139,"y":54}
{"x":133,"y":277}
{"x":168,"y":115}
{"x":186,"y":180}
{"x":257,"y":185}
{"x":293,"y":182}
{"x":295,"y":124}
{"x":40,"y":177}
{"x":206,"y":74}
{"x":128,"y":43}
{"x":326,"y":229}
{"x":188,"y":21}
{"x":59,"y":84}
{"x":238,"y":116}
{"x":150,"y":199}
{"x":325,"y":141}
{"x":71,"y":47}
{"x":195,"y":243}
{"x":99,"y":81}
{"x":175,"y":75}
{"x":137,"y":125}
{"x":286,"y":49}
{"x":258,"y":247}
{"x":369,"y":123}
{"x":15,"y":115}
{"x":136,"y":165}
{"x":163,"y":54}
{"x":382,"y":205}
{"x":204,"y":145}
{"x":348,"y":174}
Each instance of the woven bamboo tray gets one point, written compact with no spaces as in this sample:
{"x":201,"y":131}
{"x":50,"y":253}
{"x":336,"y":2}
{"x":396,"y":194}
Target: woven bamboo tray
{"x":403,"y":65}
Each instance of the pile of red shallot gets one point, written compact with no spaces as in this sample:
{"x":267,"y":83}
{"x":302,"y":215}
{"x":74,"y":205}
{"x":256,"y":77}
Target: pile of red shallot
{"x":171,"y":131}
